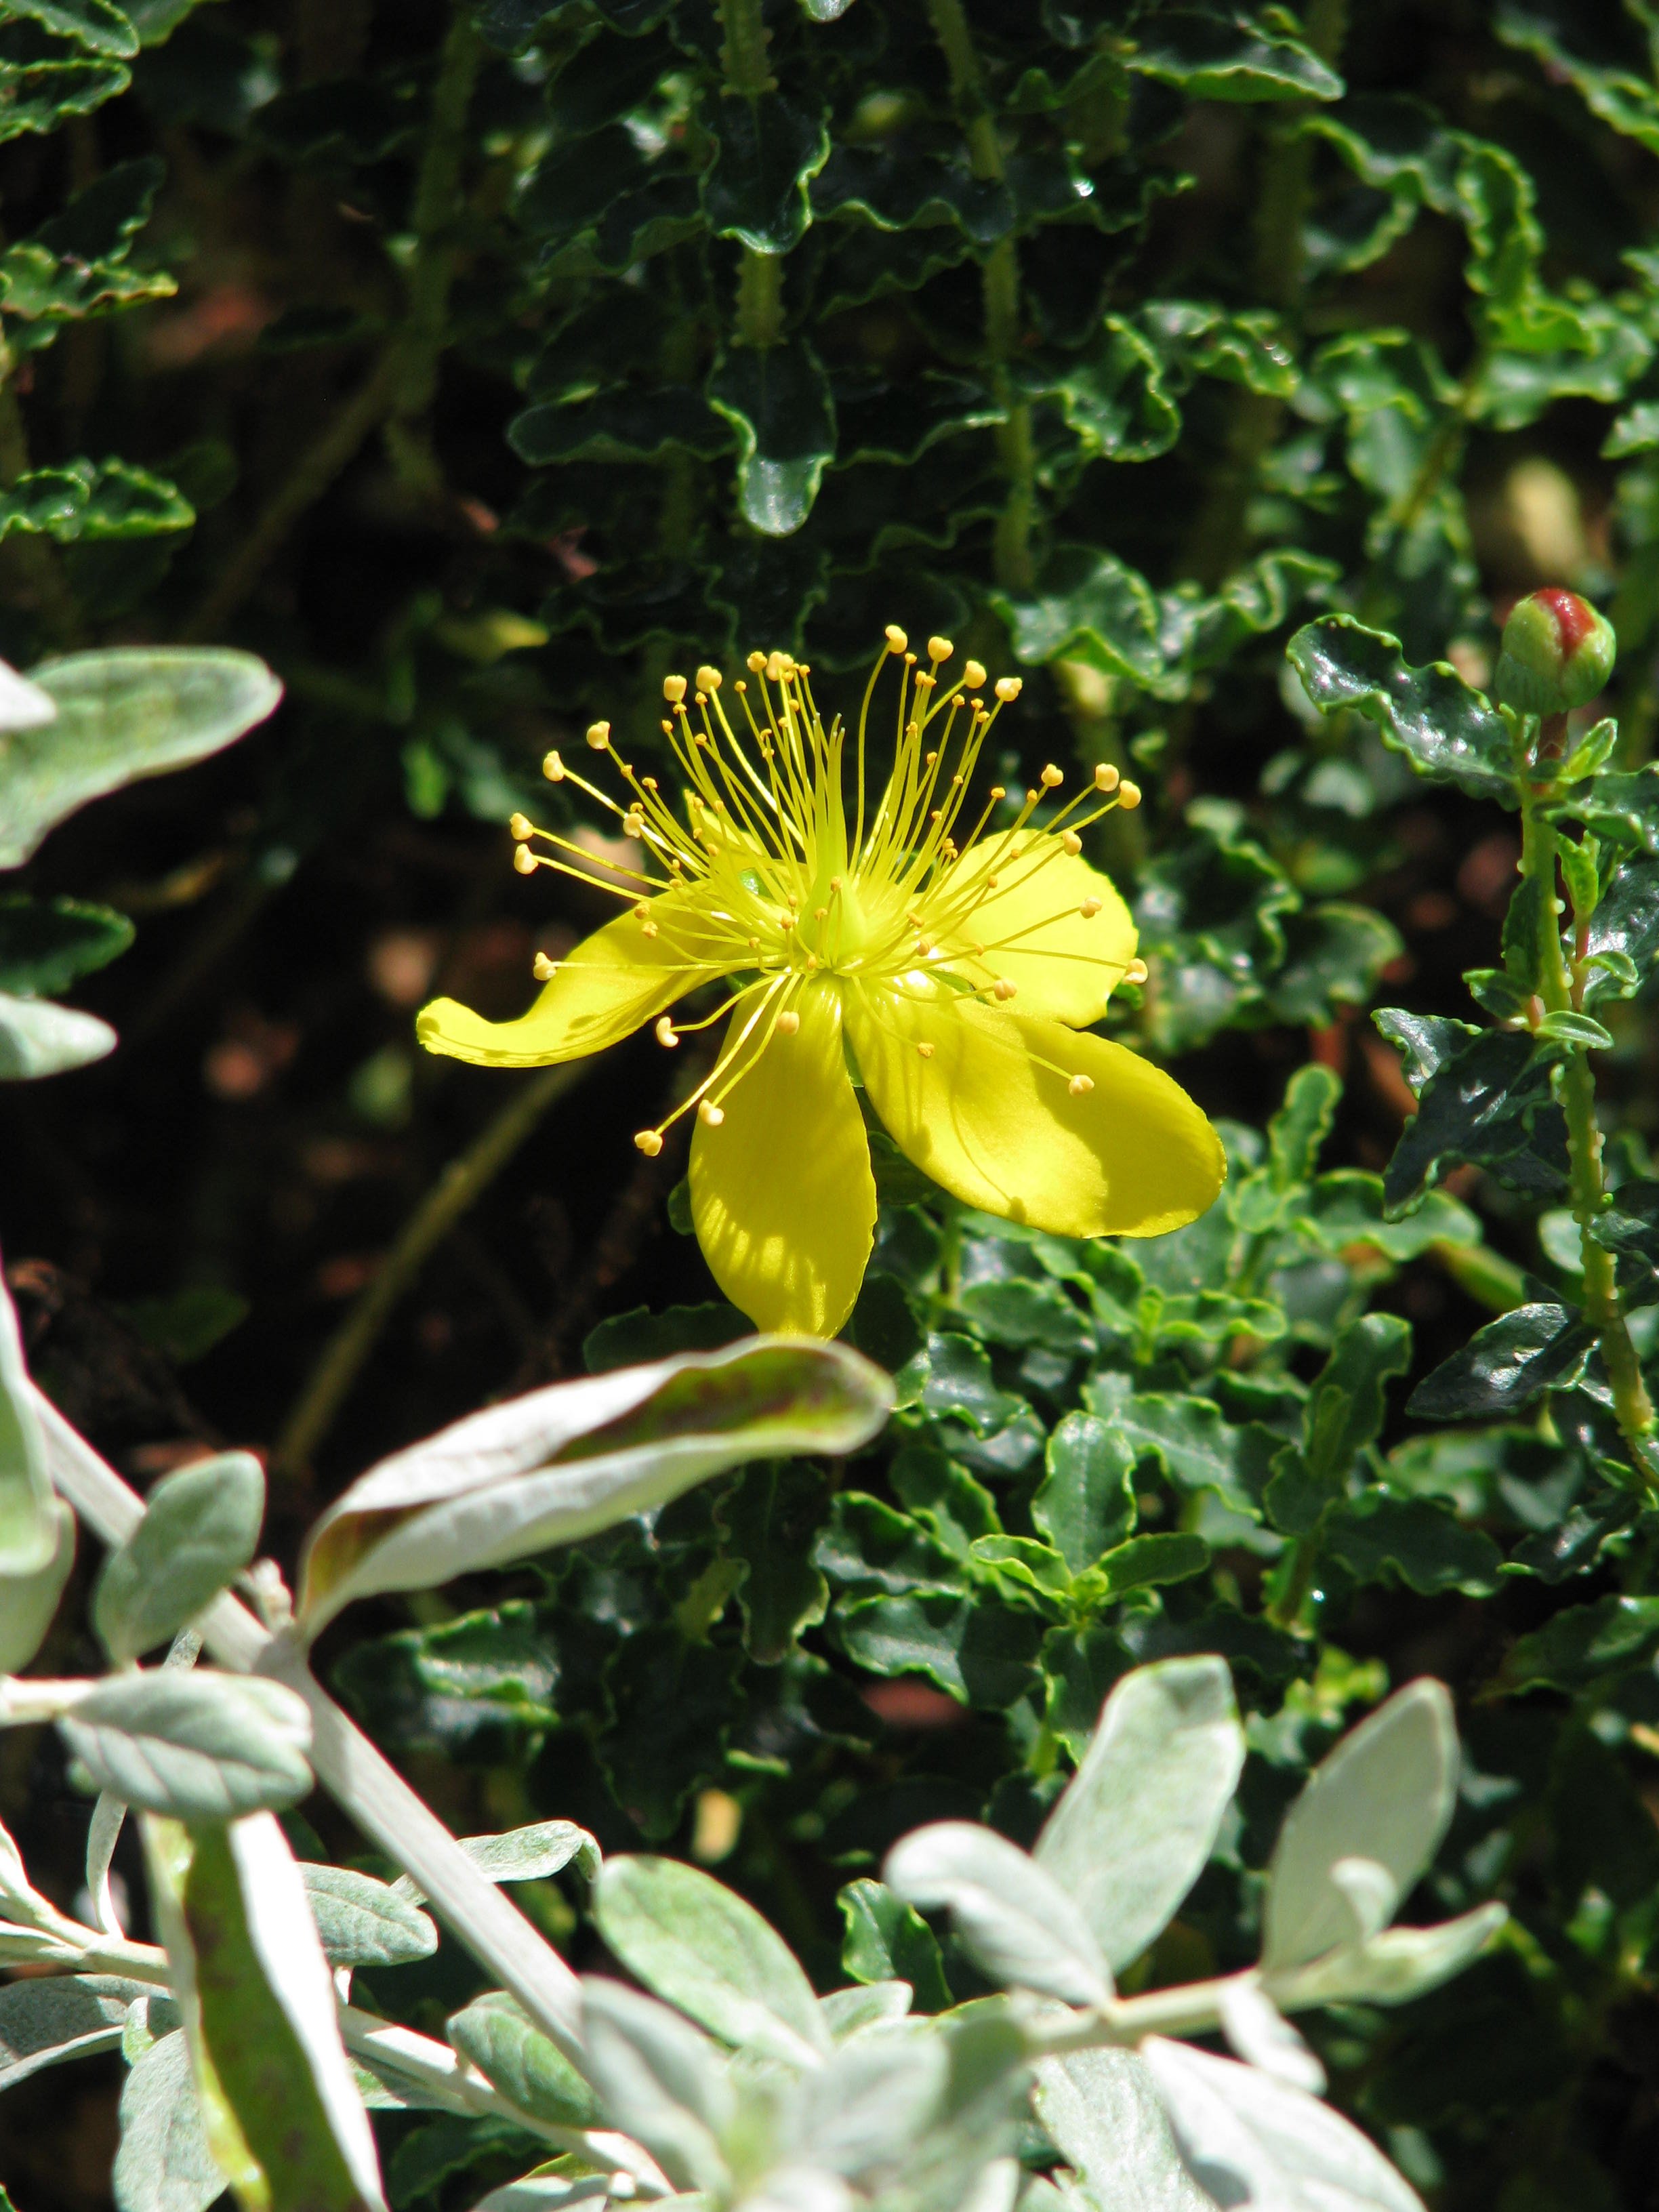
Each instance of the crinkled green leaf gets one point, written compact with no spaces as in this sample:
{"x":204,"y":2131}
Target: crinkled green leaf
{"x":1446,"y":728}
{"x":1506,"y":1365}
{"x":778,"y":401}
{"x":47,"y":944}
{"x":1087,"y":607}
{"x":1484,"y":1096}
{"x":981,"y":1651}
{"x":43,"y":83}
{"x":1585,"y":1645}
{"x":1419,"y":1539}
{"x":92,"y":501}
{"x":1085,"y":1503}
{"x":1226,"y":57}
{"x":767,"y":151}
{"x":888,"y":1939}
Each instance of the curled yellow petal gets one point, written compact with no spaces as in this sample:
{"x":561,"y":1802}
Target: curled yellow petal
{"x":1053,"y":927}
{"x":781,"y":1192}
{"x":613,"y":982}
{"x":995,"y":1113}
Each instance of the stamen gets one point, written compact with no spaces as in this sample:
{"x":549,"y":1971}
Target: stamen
{"x":1136,"y":972}
{"x":599,"y":736}
{"x":1051,"y":777}
{"x":1080,"y":1085}
{"x":1008,"y":687}
{"x":974,"y":676}
{"x":788,"y":1021}
{"x":521,"y":827}
{"x":543,"y":969}
{"x":649,"y":1142}
{"x":708,"y":678}
{"x":1106,"y":776}
{"x":926,"y":1051}
{"x":1071,"y":841}
{"x":1090,"y":908}
{"x":666,"y":1033}
{"x":553,"y":767}
{"x":1004,"y":989}
{"x":897,"y":641}
{"x":673,"y":689}
{"x":524,"y":860}
{"x":710,"y":1114}
{"x":939,"y":648}
{"x":1128,"y":795}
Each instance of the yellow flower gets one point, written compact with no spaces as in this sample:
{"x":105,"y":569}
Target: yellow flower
{"x":956,"y":967}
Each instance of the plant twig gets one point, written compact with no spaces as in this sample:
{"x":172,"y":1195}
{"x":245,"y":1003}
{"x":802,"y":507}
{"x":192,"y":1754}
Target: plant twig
{"x":364,"y":1784}
{"x":464,"y":1180}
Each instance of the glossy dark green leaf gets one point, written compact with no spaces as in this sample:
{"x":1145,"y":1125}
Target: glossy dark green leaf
{"x":1197,"y":1446}
{"x":1630,"y":1227}
{"x":1574,"y":1545}
{"x":670,"y":1704}
{"x":1345,"y":1409}
{"x":1085,"y":1503}
{"x":1506,"y":1365}
{"x":1585,"y":1646}
{"x":778,"y":401}
{"x":960,"y":1385}
{"x":478,"y":1689}
{"x":866,"y":1546}
{"x":980,"y":1650}
{"x":1419,"y":1539}
{"x":887,"y":1940}
{"x":93,"y":501}
{"x":1147,"y":1562}
{"x":769,"y":149}
{"x":1297,"y":1132}
{"x":1444,"y":728}
{"x":1626,"y":921}
{"x":1333,"y":955}
{"x":44,"y":82}
{"x":627,"y":424}
{"x":1600,"y":53}
{"x":631,"y":1339}
{"x":1621,"y":807}
{"x":47,"y":944}
{"x":1088,"y":606}
{"x":1484,"y":1096}
{"x":98,"y":25}
{"x":771,"y":1515}
{"x":1225,"y":57}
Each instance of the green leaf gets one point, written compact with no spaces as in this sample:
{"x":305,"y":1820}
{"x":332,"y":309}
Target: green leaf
{"x":29,"y":1600}
{"x":201,"y":1527}
{"x":778,"y":403}
{"x":1385,"y":1794}
{"x":628,"y":424}
{"x":93,"y":501}
{"x":960,"y":1386}
{"x":1585,"y":1646}
{"x":1445,"y":729}
{"x":1145,"y":1562}
{"x":200,"y":1746}
{"x":697,"y":1944}
{"x":1600,"y":55}
{"x":1621,"y":808}
{"x":628,"y":1340}
{"x":887,"y":1940}
{"x":1345,"y":1409}
{"x":1625,"y":923}
{"x":42,"y":84}
{"x":1419,"y":1539}
{"x":1085,"y":1503}
{"x":98,"y":25}
{"x":30,"y":1535}
{"x":480,"y":1687}
{"x":1334,"y":957}
{"x":1219,"y":57}
{"x":47,"y":944}
{"x":1297,"y":1132}
{"x":1485,"y":1095}
{"x":232,"y":1896}
{"x":671,"y":1708}
{"x":566,"y":1462}
{"x":1506,"y":1365}
{"x":495,"y":2034}
{"x":658,"y":2079}
{"x":122,"y":713}
{"x":364,"y":1923}
{"x":42,"y":2023}
{"x":767,"y":153}
{"x":1087,"y":607}
{"x":980,"y":1652}
{"x":164,"y":2164}
{"x":1013,"y":1918}
{"x":39,"y":1038}
{"x":1138,"y":1821}
{"x":1197,"y":1446}
{"x":770,"y":1516}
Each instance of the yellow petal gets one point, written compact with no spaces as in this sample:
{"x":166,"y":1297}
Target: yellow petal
{"x":614,"y":981}
{"x":1131,"y":1157}
{"x":1062,"y":962}
{"x":781,"y":1191}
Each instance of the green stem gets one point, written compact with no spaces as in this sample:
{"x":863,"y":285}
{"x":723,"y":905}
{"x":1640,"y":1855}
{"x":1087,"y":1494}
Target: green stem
{"x":432,"y":270}
{"x":1587,"y":1189}
{"x":1014,"y":562}
{"x":464,"y":1181}
{"x":760,"y":299}
{"x":35,"y":561}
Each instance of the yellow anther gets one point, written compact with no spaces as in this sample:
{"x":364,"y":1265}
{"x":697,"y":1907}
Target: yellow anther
{"x":1007,"y":688}
{"x":667,"y":728}
{"x":524,"y":860}
{"x":974,"y":675}
{"x":925,"y":676}
{"x":1072,"y":842}
{"x":543,"y":969}
{"x":755,"y":663}
{"x":926,"y":1051}
{"x":835,"y":882}
{"x":522,"y":827}
{"x":924,"y":946}
{"x":1106,"y":776}
{"x":666,"y":1032}
{"x":788,"y":1021}
{"x":991,"y":883}
{"x":939,"y":648}
{"x":1090,"y":908}
{"x":1005,"y":990}
{"x":708,"y":678}
{"x":599,"y":736}
{"x":786,"y":921}
{"x":1080,"y":1085}
{"x":633,"y":825}
{"x":778,"y":666}
{"x":999,"y":791}
{"x":1052,"y":775}
{"x":1135,"y":972}
{"x":649,"y":1143}
{"x":754,"y":943}
{"x":1032,"y":798}
{"x":928,"y":759}
{"x":649,"y":928}
{"x":553,"y":767}
{"x":897,"y":641}
{"x":812,"y":962}
{"x":1128,"y":794}
{"x":648,"y":783}
{"x":820,"y":914}
{"x":710,"y":1114}
{"x":673,"y":689}
{"x":643,"y":910}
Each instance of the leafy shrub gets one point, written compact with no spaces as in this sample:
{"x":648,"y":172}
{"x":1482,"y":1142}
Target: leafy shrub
{"x":460,"y":376}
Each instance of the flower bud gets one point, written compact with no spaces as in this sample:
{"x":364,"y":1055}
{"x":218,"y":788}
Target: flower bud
{"x":1558,"y":653}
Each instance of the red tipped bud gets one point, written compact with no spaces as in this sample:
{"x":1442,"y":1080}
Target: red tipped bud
{"x":1558,"y":653}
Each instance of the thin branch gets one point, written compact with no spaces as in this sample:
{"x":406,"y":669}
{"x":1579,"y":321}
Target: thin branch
{"x":464,"y":1180}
